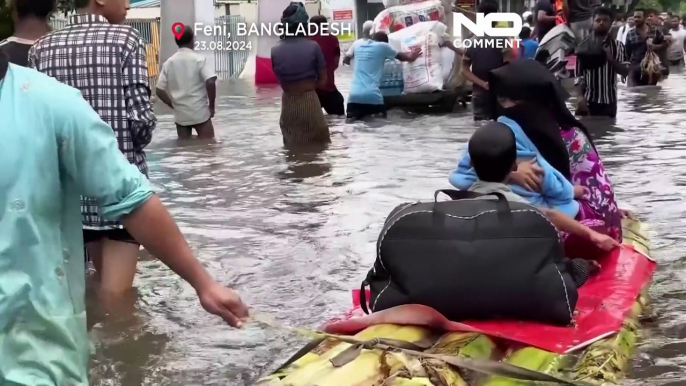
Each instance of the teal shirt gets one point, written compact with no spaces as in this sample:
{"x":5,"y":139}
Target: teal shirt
{"x":369,"y":64}
{"x":54,"y":148}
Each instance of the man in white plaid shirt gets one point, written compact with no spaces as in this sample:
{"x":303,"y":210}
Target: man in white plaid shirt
{"x":106,"y":61}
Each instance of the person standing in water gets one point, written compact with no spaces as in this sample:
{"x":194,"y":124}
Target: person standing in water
{"x":329,"y":97}
{"x":365,"y":96}
{"x":300,"y":68}
{"x":579,"y":15}
{"x":639,"y":41}
{"x":30,"y":23}
{"x":55,"y":147}
{"x":479,"y":59}
{"x":675,"y":55}
{"x":598,"y":87}
{"x":366,"y":36}
{"x":188,"y":85}
{"x":624,"y":30}
{"x":106,"y":61}
{"x":543,"y":18}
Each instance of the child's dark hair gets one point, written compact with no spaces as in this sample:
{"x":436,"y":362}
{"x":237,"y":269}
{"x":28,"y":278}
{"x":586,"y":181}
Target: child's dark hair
{"x":525,"y":33}
{"x":493,"y":151}
{"x":41,"y":9}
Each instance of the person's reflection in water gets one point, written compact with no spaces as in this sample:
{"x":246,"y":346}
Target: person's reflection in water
{"x":305,"y":162}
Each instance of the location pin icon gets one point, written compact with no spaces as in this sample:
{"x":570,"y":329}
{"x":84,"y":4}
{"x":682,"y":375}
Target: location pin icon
{"x":177,"y":30}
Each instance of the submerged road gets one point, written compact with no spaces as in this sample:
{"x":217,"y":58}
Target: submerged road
{"x":296,"y":232}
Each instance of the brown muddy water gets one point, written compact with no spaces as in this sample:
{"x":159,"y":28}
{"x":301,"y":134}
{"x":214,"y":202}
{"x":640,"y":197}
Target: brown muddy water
{"x":295,"y":232}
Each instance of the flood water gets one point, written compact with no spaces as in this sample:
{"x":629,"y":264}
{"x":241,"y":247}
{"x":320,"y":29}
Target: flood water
{"x":294,"y":233}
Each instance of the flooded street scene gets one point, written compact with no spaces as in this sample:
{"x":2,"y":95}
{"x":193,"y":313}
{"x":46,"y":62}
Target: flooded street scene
{"x":360,"y":193}
{"x":294,"y":233}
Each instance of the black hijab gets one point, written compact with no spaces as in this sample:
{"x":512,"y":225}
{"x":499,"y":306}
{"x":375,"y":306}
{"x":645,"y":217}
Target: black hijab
{"x":542,"y":111}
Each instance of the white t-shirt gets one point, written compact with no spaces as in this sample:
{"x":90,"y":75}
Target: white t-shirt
{"x":184,"y":78}
{"x":676,"y":48}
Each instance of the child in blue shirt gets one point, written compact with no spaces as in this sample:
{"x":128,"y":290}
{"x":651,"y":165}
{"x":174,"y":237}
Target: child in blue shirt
{"x":527,"y":45}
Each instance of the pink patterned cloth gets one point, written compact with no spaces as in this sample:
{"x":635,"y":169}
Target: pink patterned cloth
{"x":597,"y":208}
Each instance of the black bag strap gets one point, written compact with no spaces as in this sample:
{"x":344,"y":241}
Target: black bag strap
{"x":456,"y":194}
{"x":363,"y":292}
{"x":503,"y":206}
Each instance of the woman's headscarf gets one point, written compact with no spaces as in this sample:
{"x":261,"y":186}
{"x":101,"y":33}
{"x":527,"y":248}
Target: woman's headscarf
{"x":542,"y":111}
{"x":293,"y":16}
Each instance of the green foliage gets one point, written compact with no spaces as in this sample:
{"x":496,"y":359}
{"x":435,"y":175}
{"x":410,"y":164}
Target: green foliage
{"x":6,"y":28}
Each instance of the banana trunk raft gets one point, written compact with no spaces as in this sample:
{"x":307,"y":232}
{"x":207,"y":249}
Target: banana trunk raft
{"x":339,"y":361}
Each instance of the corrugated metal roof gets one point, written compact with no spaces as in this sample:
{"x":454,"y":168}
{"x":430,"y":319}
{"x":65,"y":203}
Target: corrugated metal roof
{"x":146,"y":4}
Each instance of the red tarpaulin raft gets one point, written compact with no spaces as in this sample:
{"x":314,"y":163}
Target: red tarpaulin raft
{"x":603,"y":303}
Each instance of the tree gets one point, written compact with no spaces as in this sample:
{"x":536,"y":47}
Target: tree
{"x":6,"y":29}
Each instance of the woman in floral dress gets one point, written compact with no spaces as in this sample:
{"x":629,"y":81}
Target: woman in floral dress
{"x":537,"y":104}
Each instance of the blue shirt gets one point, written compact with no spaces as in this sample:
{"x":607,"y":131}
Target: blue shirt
{"x":556,"y":193}
{"x":369,"y":63}
{"x":529,"y":47}
{"x":54,"y":149}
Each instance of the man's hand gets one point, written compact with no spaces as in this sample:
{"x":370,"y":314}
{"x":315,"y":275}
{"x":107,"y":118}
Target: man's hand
{"x":604,"y":242}
{"x":650,"y":45}
{"x":414,"y":54}
{"x":528,"y":175}
{"x":222,"y":301}
{"x":211,"y":111}
{"x":608,"y":52}
{"x":448,"y":44}
{"x":484,"y":85}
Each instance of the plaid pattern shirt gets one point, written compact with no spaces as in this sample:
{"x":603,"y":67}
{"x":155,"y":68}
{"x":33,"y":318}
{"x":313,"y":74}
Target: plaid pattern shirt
{"x":636,"y":45}
{"x":107,"y":63}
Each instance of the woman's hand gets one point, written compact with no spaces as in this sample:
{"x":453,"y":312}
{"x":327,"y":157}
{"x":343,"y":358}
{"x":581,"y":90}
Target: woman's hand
{"x":604,"y":242}
{"x":579,"y":191}
{"x":528,"y":175}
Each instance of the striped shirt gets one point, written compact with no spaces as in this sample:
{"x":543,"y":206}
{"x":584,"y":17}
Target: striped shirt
{"x":600,"y":84}
{"x":107,"y":63}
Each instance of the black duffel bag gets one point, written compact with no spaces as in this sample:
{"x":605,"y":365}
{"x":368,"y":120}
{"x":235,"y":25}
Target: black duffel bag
{"x":472,"y":259}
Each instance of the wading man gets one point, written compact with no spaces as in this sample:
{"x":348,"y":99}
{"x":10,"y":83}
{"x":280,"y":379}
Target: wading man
{"x":598,"y":87}
{"x":187,"y":84}
{"x":106,"y":61}
{"x":329,"y":97}
{"x":639,"y":41}
{"x":30,"y":23}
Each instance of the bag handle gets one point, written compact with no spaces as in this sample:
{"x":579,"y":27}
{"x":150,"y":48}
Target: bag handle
{"x":503,"y":206}
{"x":363,"y":295}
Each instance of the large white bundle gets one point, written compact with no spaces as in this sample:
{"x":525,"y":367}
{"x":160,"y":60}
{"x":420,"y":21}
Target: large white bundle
{"x":424,"y":74}
{"x":395,"y":3}
{"x":447,"y":61}
{"x":395,"y":39}
{"x":394,"y":19}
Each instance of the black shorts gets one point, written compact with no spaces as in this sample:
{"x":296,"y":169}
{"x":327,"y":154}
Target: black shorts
{"x":122,"y":235}
{"x":361,"y":110}
{"x":482,"y":106}
{"x":332,"y":101}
